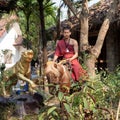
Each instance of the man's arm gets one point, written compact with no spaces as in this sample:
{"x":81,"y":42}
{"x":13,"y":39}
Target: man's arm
{"x":75,"y":44}
{"x":57,"y":52}
{"x":55,"y":58}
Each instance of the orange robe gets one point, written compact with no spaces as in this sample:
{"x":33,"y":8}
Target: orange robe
{"x":67,"y":51}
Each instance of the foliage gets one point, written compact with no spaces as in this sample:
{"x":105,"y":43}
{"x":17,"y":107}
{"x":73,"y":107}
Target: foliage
{"x":28,"y":12}
{"x":92,"y":100}
{"x":50,"y":14}
{"x":31,"y":8}
{"x":2,"y":83}
{"x":6,"y":110}
{"x":31,"y":117}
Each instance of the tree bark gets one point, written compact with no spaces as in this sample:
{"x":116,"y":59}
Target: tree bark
{"x":27,"y":28}
{"x":94,"y":51}
{"x":43,"y":33}
{"x":84,"y":26}
{"x":43,"y":41}
{"x":69,"y":14}
{"x":103,"y":30}
{"x":58,"y":22}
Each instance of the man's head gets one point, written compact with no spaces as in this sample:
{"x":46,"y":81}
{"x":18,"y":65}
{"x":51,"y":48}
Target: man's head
{"x":66,"y":32}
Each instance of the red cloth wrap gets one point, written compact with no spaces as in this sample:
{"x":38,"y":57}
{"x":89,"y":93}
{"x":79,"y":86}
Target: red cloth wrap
{"x":77,"y":70}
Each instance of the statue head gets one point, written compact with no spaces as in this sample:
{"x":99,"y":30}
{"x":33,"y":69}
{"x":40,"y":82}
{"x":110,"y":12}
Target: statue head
{"x":27,"y":55}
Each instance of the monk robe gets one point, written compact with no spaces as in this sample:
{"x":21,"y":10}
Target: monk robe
{"x":67,"y":51}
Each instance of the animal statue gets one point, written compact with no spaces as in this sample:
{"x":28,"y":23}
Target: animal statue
{"x":20,"y":71}
{"x":58,"y":74}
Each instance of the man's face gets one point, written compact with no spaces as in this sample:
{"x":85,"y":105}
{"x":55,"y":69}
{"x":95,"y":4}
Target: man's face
{"x":66,"y":33}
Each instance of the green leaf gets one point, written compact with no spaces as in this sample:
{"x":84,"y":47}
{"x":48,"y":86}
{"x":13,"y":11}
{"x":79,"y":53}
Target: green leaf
{"x":67,"y":107}
{"x":57,"y":87}
{"x":55,"y":113}
{"x":72,"y":117}
{"x":51,"y":110}
{"x":60,"y":96}
{"x":85,"y":103}
{"x":41,"y":116}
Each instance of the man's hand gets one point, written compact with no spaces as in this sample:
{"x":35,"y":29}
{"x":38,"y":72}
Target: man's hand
{"x":69,"y":59}
{"x":55,"y":58}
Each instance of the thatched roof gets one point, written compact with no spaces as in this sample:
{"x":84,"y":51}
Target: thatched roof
{"x":97,"y":13}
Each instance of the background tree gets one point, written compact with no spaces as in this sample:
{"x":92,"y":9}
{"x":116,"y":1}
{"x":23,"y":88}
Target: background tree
{"x":28,"y":12}
{"x":43,"y":32}
{"x":58,"y":22}
{"x":94,"y":51}
{"x":26,"y":7}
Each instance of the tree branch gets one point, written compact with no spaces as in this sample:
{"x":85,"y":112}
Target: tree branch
{"x":104,"y":28}
{"x":70,"y":6}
